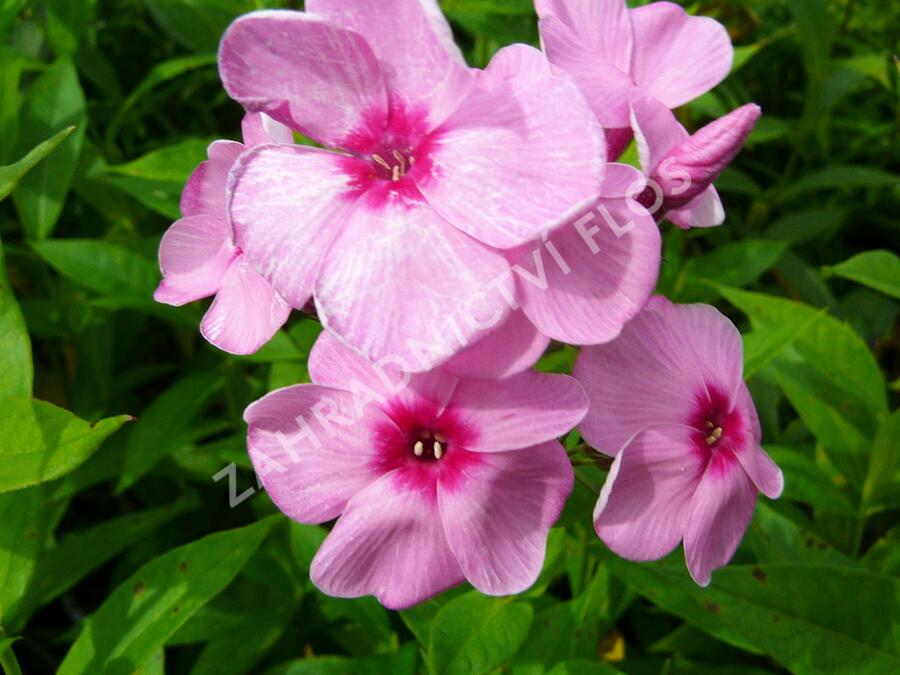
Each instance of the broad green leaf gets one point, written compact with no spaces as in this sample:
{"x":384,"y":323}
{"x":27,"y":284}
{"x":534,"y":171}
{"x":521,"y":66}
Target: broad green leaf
{"x":53,"y":102}
{"x":42,"y":442}
{"x":735,"y":264}
{"x":475,"y":634}
{"x":811,"y":618}
{"x":8,"y":11}
{"x":805,"y":482}
{"x":884,"y":555}
{"x":876,"y":269}
{"x":761,"y":346}
{"x":68,"y":23}
{"x":198,"y":24}
{"x":775,"y":538}
{"x":882,"y":481}
{"x":838,"y":177}
{"x":11,"y":175}
{"x":159,"y":430}
{"x":420,"y":618}
{"x":8,"y":659}
{"x":582,"y":667}
{"x":734,"y":180}
{"x":15,"y":345}
{"x":137,"y":618}
{"x":101,"y":266}
{"x":401,"y":662}
{"x":810,"y":224}
{"x":80,"y":553}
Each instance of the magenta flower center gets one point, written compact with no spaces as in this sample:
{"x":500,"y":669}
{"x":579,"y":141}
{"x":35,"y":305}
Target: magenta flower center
{"x":719,"y":424}
{"x":429,"y":445}
{"x":392,"y":163}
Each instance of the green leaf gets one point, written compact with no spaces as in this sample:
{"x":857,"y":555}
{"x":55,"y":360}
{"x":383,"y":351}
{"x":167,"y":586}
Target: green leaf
{"x":15,"y":345}
{"x":582,"y":667}
{"x":761,"y":346}
{"x":805,"y":482}
{"x":475,"y":634}
{"x":401,"y":662}
{"x":775,"y":538}
{"x":876,"y":269}
{"x":809,"y":224}
{"x":137,"y":618}
{"x":11,"y":175}
{"x":160,"y":429}
{"x":882,"y":481}
{"x":53,"y":102}
{"x":838,"y":177}
{"x":734,"y":264}
{"x":811,"y":618}
{"x":42,"y":442}
{"x":198,"y":24}
{"x":101,"y":266}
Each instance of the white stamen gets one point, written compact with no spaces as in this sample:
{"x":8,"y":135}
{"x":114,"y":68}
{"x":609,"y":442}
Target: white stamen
{"x":379,"y":160}
{"x":400,"y":159}
{"x":438,"y":450}
{"x":419,"y":448}
{"x":714,"y":436}
{"x":395,"y":174}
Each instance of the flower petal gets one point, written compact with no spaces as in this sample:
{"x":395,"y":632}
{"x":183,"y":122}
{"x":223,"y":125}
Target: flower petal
{"x":510,"y":348}
{"x":656,"y":131}
{"x":606,"y":87}
{"x":764,"y":473}
{"x":194,"y":254}
{"x":678,"y":57}
{"x":611,"y":259}
{"x":388,"y":543}
{"x":645,"y":501}
{"x":246,"y":312}
{"x":204,"y":192}
{"x":514,"y":61}
{"x":704,"y":210}
{"x":401,"y":283}
{"x":720,"y":512}
{"x":498,"y":519}
{"x":520,"y":411}
{"x":415,"y":45}
{"x":333,"y":364}
{"x":603,"y":25}
{"x":515,"y":160}
{"x":312,"y":449}
{"x":259,"y":129}
{"x":314,"y":77}
{"x":288,"y":204}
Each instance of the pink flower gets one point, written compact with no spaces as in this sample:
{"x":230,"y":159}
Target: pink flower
{"x":682,"y":167}
{"x":198,"y":257}
{"x":616,"y":55}
{"x":434,"y":479}
{"x":669,"y":402}
{"x":427,"y":170}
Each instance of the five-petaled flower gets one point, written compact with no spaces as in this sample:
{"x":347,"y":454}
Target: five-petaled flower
{"x":434,"y":479}
{"x":669,"y":402}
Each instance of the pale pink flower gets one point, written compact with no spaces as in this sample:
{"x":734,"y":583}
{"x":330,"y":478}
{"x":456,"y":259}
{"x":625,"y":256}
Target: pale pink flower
{"x":682,"y":167}
{"x":668,"y":400}
{"x":198,"y":256}
{"x":433,"y":479}
{"x":427,"y":170}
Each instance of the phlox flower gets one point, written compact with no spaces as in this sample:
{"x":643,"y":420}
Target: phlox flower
{"x":198,"y":256}
{"x":427,"y":171}
{"x":433,"y":479}
{"x":668,"y":400}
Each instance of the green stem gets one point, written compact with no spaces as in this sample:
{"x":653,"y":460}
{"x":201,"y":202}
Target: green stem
{"x":9,"y":662}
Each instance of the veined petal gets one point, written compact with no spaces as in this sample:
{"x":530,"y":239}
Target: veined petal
{"x":414,"y":44}
{"x":388,"y":543}
{"x":304,"y":72}
{"x":720,"y":512}
{"x":516,"y":160}
{"x":678,"y":57}
{"x":194,"y":254}
{"x":259,"y":129}
{"x":645,"y":502}
{"x":656,"y":131}
{"x":514,"y":61}
{"x":246,"y":312}
{"x":520,"y":411}
{"x":401,"y":283}
{"x":704,"y":210}
{"x":204,"y":192}
{"x":312,"y":449}
{"x":288,"y":204}
{"x":603,"y":25}
{"x":334,"y":364}
{"x":497,"y":520}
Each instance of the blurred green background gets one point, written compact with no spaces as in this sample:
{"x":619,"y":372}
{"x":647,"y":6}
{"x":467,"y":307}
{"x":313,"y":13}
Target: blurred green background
{"x":118,"y":549}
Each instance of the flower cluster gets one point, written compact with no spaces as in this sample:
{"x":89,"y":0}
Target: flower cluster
{"x":444,"y":224}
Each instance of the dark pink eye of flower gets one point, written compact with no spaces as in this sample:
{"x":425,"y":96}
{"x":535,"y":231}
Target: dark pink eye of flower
{"x":719,"y":427}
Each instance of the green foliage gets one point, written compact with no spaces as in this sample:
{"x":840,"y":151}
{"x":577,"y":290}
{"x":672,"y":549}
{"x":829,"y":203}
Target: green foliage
{"x":118,"y":550}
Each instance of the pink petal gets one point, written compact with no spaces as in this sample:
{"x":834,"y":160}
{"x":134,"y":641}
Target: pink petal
{"x":388,"y":543}
{"x":760,"y":468}
{"x":333,"y":364}
{"x":194,"y":254}
{"x":400,"y":282}
{"x":720,"y":512}
{"x":515,"y":160}
{"x":656,"y":132}
{"x":704,"y":210}
{"x":520,"y":411}
{"x":611,"y":256}
{"x":259,"y":129}
{"x":314,"y":77}
{"x":617,"y":140}
{"x":651,"y":373}
{"x":312,"y":449}
{"x":415,"y":45}
{"x":204,"y":192}
{"x":497,"y":521}
{"x":645,"y":501}
{"x":622,"y":181}
{"x":246,"y":312}
{"x":606,"y":87}
{"x":678,"y":57}
{"x":512,"y":347}
{"x":514,"y":61}
{"x":603,"y":25}
{"x":288,"y":205}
